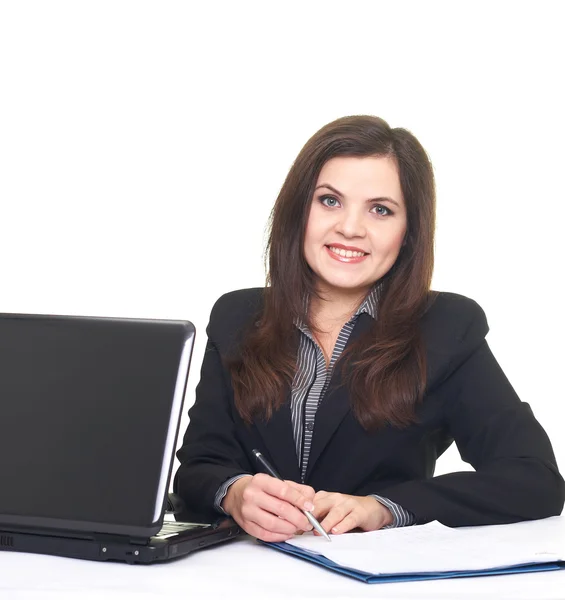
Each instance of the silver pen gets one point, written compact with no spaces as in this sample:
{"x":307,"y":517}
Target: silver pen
{"x":311,"y":518}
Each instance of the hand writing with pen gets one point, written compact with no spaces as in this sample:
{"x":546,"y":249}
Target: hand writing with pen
{"x":270,"y":509}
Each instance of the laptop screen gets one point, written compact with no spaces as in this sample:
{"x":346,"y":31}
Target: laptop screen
{"x":89,"y":413}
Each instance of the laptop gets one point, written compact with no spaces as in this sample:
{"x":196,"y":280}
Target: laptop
{"x":89,"y":416}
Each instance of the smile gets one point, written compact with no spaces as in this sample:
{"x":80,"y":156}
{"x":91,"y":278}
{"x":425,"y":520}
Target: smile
{"x":346,"y":253}
{"x":349,"y":256}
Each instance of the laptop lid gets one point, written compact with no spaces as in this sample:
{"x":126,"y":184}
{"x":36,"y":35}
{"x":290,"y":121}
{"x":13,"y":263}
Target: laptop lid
{"x":89,"y":416}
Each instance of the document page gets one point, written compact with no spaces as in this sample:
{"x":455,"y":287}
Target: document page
{"x":436,"y":548}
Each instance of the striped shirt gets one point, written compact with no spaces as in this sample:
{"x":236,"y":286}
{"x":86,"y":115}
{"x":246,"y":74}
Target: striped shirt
{"x":308,"y":389}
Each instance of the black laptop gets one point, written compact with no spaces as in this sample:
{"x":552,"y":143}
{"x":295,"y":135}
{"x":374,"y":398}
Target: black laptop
{"x":89,"y":418}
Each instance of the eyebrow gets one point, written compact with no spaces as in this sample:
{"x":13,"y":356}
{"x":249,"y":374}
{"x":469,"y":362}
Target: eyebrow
{"x":338,"y":193}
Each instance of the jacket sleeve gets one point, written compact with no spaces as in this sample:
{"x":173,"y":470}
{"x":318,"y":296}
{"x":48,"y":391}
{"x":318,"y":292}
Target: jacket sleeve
{"x":516,"y":476}
{"x":210,"y":453}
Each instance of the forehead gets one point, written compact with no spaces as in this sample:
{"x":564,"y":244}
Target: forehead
{"x":369,"y":176}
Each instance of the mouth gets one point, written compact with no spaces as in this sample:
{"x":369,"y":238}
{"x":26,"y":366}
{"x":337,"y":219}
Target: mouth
{"x":348,"y":255}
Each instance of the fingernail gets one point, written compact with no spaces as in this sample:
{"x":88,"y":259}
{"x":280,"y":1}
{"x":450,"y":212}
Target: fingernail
{"x":335,"y":530}
{"x":308,"y":506}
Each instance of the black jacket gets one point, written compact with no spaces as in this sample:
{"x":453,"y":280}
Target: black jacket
{"x":468,"y":399}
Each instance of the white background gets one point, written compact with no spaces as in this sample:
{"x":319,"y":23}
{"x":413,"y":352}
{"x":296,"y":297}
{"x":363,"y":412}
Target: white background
{"x":142,"y":145}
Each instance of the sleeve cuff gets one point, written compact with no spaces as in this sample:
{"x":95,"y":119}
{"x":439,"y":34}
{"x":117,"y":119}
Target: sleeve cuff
{"x":223,"y":490}
{"x":401,"y":517}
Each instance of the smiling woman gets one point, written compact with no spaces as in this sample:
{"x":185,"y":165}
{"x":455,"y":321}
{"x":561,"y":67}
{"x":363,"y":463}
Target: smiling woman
{"x":352,"y":235}
{"x":350,"y":374}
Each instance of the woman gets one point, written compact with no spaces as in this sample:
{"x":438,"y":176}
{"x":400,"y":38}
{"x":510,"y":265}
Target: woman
{"x":349,"y":374}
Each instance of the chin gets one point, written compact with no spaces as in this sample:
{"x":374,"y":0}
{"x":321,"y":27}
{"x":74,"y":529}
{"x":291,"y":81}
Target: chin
{"x":346,"y":286}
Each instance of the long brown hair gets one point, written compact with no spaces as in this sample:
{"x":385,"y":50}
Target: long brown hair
{"x":387,"y":368}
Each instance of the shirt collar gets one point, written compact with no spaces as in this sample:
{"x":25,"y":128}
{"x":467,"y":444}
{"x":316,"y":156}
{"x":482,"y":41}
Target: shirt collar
{"x":369,"y":305}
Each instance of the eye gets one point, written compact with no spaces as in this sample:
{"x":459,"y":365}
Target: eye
{"x":329,"y":201}
{"x":380,"y":207}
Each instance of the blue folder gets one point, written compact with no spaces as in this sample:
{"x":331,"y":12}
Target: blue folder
{"x":373,"y":578}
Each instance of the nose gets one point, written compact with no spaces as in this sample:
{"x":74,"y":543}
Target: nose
{"x":351,"y":223}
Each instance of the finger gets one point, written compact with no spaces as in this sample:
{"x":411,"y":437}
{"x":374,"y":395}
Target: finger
{"x":284,"y":491}
{"x":307,"y":491}
{"x":349,"y":522}
{"x":323,"y":504}
{"x":336,"y":515}
{"x":321,"y":494}
{"x":264,"y":510}
{"x":284,"y":510}
{"x":266,"y":520}
{"x":264,"y":534}
{"x":257,"y":495}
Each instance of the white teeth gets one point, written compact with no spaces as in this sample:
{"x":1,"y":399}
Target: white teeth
{"x":346,"y":253}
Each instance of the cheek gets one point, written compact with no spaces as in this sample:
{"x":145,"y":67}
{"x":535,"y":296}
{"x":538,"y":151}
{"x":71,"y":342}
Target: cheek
{"x":309,"y":241}
{"x":388,"y":244}
{"x":314,"y":227}
{"x":398,"y":240}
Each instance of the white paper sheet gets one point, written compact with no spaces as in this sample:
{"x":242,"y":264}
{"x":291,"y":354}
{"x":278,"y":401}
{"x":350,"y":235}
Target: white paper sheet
{"x":436,"y":548}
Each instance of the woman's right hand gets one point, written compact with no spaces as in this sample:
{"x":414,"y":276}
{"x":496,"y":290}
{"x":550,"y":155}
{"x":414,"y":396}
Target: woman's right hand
{"x":268,"y":508}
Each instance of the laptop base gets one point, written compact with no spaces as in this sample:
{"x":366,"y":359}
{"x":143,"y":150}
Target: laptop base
{"x":195,"y":536}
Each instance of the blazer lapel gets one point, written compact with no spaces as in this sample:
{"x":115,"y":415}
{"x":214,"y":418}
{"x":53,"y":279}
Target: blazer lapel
{"x":278,"y":438}
{"x":335,"y":404}
{"x":331,"y":412}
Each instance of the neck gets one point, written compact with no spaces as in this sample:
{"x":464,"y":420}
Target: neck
{"x":332,"y":309}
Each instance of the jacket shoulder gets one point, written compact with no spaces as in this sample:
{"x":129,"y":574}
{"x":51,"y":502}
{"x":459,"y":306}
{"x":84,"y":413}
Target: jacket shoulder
{"x":455,"y":314}
{"x":453,"y":327}
{"x":245,"y":301}
{"x":233,"y":312}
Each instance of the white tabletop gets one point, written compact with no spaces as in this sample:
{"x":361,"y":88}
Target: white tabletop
{"x":242,"y":568}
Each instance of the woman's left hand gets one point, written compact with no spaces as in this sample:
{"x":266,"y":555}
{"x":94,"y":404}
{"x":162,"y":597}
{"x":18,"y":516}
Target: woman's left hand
{"x":339,"y":513}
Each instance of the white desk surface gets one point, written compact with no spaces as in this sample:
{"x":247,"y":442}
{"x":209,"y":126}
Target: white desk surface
{"x":242,"y":568}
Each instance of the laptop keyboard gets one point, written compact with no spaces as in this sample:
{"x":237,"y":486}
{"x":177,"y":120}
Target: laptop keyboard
{"x":171,"y":528}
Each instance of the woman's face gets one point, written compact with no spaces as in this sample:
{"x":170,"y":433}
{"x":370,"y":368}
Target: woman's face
{"x":356,"y":224}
